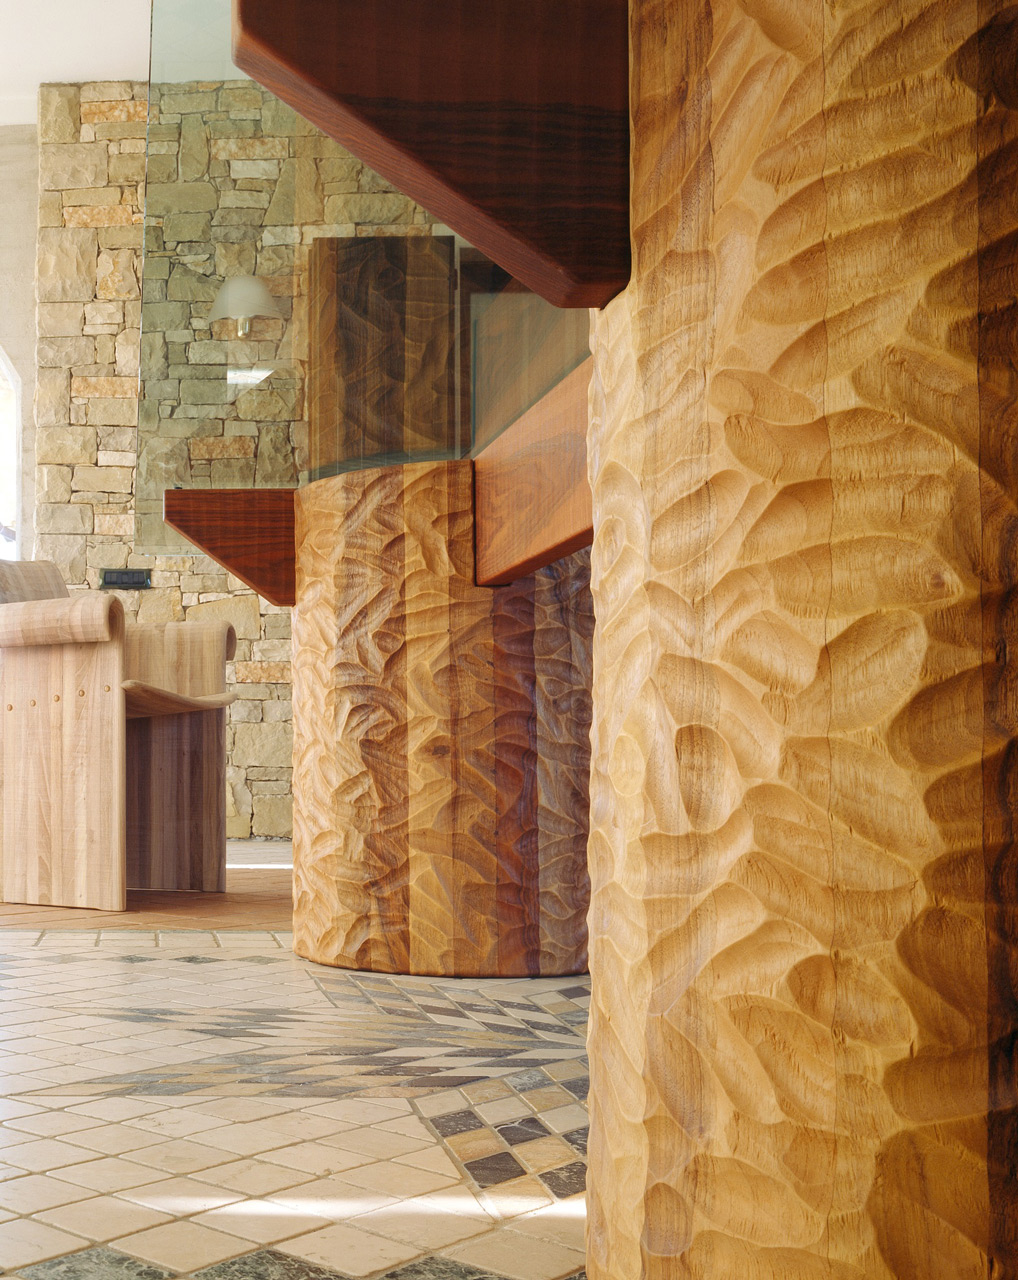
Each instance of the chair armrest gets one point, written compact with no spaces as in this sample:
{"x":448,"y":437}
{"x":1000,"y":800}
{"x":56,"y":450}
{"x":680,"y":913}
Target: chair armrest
{"x":145,"y":701}
{"x":187,"y":658}
{"x":85,"y":618}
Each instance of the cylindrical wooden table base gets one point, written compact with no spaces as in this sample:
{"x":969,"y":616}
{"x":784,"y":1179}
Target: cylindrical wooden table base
{"x":441,"y":738}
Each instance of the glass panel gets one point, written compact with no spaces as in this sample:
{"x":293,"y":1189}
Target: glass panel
{"x":299,"y":316}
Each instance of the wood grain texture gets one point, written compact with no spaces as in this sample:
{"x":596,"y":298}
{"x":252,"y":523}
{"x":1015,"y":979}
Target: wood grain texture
{"x":30,"y":580}
{"x":114,"y":748}
{"x":801,"y":449}
{"x":430,"y":837}
{"x":247,"y":531}
{"x":382,"y":345}
{"x":532,"y":495}
{"x":507,"y":120}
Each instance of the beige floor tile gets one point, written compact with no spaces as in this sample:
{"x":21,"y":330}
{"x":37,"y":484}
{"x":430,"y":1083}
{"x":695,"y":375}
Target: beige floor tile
{"x":316,"y":1158}
{"x":253,"y":1177}
{"x":251,"y":1139}
{"x":177,"y":1124}
{"x":116,"y":1109}
{"x":10,"y":1109}
{"x":474,"y":1145}
{"x":14,"y":1138}
{"x":434,"y":1159}
{"x":110,"y":1139}
{"x":8,"y":1171}
{"x":486,"y":1091}
{"x":397,"y":1179}
{"x":181,"y":1197}
{"x":182,"y":1246}
{"x":544,"y":1153}
{"x":182,"y":1156}
{"x":503,"y":1110}
{"x":355,"y":1253}
{"x":239,"y":1110}
{"x":35,"y":1191}
{"x":362,"y":1111}
{"x":378,"y":1144}
{"x":333,"y":1198}
{"x":50,"y":1124}
{"x":441,"y":1104}
{"x":519,"y":1257}
{"x":425,"y":1223}
{"x":564,"y":1222}
{"x":562,"y":1119}
{"x":549,"y":1097}
{"x":510,"y":1199}
{"x":110,"y":1174}
{"x":23,"y":1242}
{"x":261,"y":1221}
{"x":102,"y":1217}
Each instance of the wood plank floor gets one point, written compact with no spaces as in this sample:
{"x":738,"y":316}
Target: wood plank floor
{"x":257,"y":898}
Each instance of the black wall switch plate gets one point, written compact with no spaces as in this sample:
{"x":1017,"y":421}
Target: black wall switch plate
{"x":126,"y":579}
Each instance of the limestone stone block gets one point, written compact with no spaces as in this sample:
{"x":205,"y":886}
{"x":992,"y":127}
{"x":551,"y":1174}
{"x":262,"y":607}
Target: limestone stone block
{"x":118,"y":215}
{"x":207,"y":352}
{"x":67,"y":264}
{"x":105,"y":346}
{"x":180,"y":197}
{"x":262,"y":672}
{"x":79,"y":164}
{"x":275,"y":259}
{"x":126,"y":237}
{"x":265,"y":406}
{"x":65,"y":446}
{"x":111,"y":386}
{"x":263,"y":744}
{"x":104,"y":313}
{"x":204,"y":391}
{"x":261,"y":170}
{"x":63,"y":517}
{"x":59,"y":319}
{"x":118,"y":274}
{"x":118,"y":439}
{"x":272,"y":816}
{"x":165,"y":316}
{"x":240,"y":98}
{"x":275,"y":466}
{"x":185,"y":102}
{"x":185,"y":285}
{"x":52,"y":397}
{"x":277,"y":709}
{"x":115,"y":458}
{"x":162,"y":168}
{"x":369,"y":209}
{"x":91,"y":196}
{"x":179,"y":227}
{"x":162,"y":464}
{"x":107,"y":412}
{"x":240,"y":610}
{"x":250,"y":148}
{"x":62,"y":353}
{"x":66,"y":551}
{"x":280,"y":120}
{"x":127,"y":354}
{"x":232,"y":473}
{"x":59,"y":118}
{"x":52,"y":484}
{"x":110,"y":112}
{"x":121,"y":524}
{"x":204,"y":448}
{"x":128,"y":168}
{"x":194,"y":148}
{"x":160,"y":605}
{"x":107,"y":91}
{"x":235,"y":259}
{"x":103,"y":479}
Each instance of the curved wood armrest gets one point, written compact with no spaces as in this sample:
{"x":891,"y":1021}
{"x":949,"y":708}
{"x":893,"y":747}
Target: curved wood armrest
{"x":148,"y":700}
{"x":86,"y":618}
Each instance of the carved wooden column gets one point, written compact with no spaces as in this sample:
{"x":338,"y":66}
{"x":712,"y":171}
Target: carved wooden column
{"x":441,"y":733}
{"x":802,"y":451}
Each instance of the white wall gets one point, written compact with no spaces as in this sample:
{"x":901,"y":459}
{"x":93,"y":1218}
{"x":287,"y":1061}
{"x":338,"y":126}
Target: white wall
{"x":19,"y":182}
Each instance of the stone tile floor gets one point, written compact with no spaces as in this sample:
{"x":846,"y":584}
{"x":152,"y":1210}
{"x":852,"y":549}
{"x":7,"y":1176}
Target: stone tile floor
{"x":187,"y":1103}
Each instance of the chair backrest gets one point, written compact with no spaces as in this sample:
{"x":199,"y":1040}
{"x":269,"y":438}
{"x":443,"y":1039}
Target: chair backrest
{"x":30,"y":580}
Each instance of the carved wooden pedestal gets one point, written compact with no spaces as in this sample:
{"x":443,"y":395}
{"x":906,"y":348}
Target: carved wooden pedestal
{"x":441,"y":737}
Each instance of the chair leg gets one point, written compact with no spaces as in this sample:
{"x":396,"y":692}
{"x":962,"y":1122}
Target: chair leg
{"x":176,"y":802}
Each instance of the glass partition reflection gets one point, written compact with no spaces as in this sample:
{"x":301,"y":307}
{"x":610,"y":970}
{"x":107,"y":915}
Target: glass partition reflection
{"x":299,"y":316}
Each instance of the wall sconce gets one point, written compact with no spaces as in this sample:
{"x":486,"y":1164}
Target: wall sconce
{"x":240,"y":299}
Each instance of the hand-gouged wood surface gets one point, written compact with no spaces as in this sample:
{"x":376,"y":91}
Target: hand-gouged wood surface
{"x":432,"y":832}
{"x":803,"y":879}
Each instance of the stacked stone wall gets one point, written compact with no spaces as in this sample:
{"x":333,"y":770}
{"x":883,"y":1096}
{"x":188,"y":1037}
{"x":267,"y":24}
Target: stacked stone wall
{"x":92,"y":148}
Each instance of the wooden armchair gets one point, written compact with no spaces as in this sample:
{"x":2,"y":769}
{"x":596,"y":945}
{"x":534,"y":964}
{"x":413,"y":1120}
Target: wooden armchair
{"x":113,"y":747}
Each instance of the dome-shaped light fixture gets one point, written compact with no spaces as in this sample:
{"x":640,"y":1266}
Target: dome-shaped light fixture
{"x":240,"y":298}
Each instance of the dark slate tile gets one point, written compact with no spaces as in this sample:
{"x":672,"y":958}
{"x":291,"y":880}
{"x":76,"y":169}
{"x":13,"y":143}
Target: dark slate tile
{"x":491,"y":1170}
{"x":94,"y":1264}
{"x":457,"y":1122}
{"x":578,"y":1139}
{"x":436,"y":1268}
{"x":521,"y":1080}
{"x":197,"y":959}
{"x":572,"y":993}
{"x":567,"y":1181}
{"x":267,"y":1264}
{"x":579,"y":1087}
{"x":524,"y":1130}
